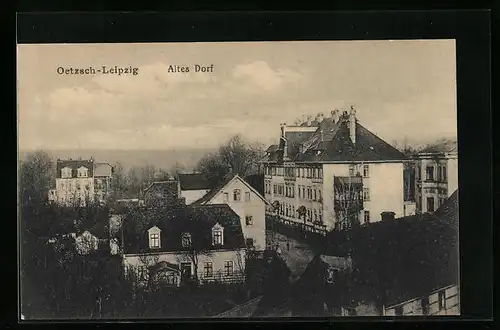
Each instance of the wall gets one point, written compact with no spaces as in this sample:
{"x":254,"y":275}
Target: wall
{"x":193,"y":195}
{"x":409,"y":208}
{"x":67,"y":189}
{"x":452,"y":175}
{"x":255,"y":208}
{"x":385,"y":184}
{"x":216,"y":257}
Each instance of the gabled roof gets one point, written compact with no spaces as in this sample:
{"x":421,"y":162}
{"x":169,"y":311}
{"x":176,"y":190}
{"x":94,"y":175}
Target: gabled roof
{"x":207,"y":198}
{"x":103,"y":169}
{"x":194,"y":181}
{"x":256,"y":181}
{"x":196,"y":220}
{"x":74,"y":165}
{"x":448,"y":211}
{"x":332,"y":143}
{"x":170,"y":187}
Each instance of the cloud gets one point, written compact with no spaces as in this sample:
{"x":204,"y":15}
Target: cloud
{"x":259,"y":74}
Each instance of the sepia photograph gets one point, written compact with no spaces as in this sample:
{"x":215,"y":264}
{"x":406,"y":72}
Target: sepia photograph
{"x":238,"y":179}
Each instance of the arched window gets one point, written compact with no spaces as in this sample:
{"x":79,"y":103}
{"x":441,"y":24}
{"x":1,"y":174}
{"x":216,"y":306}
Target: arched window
{"x":236,"y":195}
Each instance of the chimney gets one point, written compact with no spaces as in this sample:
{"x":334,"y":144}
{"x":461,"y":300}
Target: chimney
{"x":309,"y":119}
{"x":352,"y":124}
{"x":387,"y":216}
{"x":321,"y":117}
{"x":283,"y":129}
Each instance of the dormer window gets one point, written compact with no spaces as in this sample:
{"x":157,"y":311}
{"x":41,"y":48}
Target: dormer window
{"x":154,"y":237}
{"x":66,"y":173}
{"x":217,"y":235}
{"x":186,"y":239}
{"x":83,"y":172}
{"x":236,"y":195}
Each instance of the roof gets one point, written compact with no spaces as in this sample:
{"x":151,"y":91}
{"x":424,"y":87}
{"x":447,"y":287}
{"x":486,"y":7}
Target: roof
{"x":74,"y":165}
{"x":331,"y":143}
{"x":442,"y":146}
{"x":164,"y":187}
{"x":194,"y":181}
{"x":103,"y":169}
{"x":448,"y":211}
{"x":257,"y":182}
{"x":163,"y":265}
{"x":399,"y":260}
{"x":99,"y":230}
{"x":226,"y":182}
{"x":196,"y":220}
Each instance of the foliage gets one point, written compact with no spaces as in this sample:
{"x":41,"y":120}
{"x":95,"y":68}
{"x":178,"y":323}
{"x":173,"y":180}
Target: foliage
{"x":236,"y":156}
{"x":36,"y":176}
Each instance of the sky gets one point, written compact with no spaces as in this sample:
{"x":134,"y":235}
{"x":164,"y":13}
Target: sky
{"x":400,"y":89}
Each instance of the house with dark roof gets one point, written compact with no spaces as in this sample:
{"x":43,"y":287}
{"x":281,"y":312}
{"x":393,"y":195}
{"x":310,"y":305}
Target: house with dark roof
{"x":436,"y":175}
{"x":193,"y":186}
{"x":246,"y":202}
{"x":205,"y":242}
{"x":81,"y":181}
{"x":302,"y":174}
{"x":161,"y":193}
{"x":406,"y":266}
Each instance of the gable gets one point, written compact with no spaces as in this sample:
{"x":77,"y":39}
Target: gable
{"x":235,"y":183}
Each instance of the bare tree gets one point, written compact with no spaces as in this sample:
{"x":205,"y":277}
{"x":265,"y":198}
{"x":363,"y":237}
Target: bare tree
{"x":236,"y":156}
{"x":192,"y":252}
{"x":348,"y":200}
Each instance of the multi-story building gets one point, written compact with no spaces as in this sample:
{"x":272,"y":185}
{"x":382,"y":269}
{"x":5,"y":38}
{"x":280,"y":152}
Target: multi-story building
{"x":332,"y":172}
{"x":79,"y":182}
{"x":436,"y":176}
{"x":245,"y":201}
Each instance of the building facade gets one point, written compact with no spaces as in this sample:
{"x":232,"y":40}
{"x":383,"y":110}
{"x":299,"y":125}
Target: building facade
{"x":80,"y":182}
{"x":436,"y":176}
{"x":245,"y":201}
{"x":332,"y":173}
{"x":205,"y":240}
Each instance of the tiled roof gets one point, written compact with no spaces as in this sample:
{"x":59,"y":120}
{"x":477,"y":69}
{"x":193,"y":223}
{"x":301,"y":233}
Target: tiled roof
{"x":448,"y":211}
{"x":331,"y":142}
{"x":443,"y":146}
{"x":75,"y":165}
{"x":103,"y":169}
{"x":196,"y":220}
{"x":404,"y":258}
{"x":194,"y":181}
{"x":257,"y":182}
{"x":163,"y":186}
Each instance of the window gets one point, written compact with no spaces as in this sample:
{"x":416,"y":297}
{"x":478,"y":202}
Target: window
{"x":321,"y":173}
{"x":319,"y":195}
{"x":249,"y":242}
{"x":366,"y":171}
{"x":300,"y":195}
{"x":429,"y":170}
{"x":226,"y":197}
{"x":217,"y":237}
{"x":315,"y":215}
{"x":367,"y":217}
{"x":142,"y":273}
{"x":366,"y":194}
{"x":398,"y":310}
{"x":445,"y":179}
{"x":82,"y":172}
{"x":236,"y":195}
{"x":439,"y":173}
{"x":208,"y":269}
{"x":66,"y":173}
{"x":78,"y":185}
{"x":154,"y":240}
{"x":249,"y":220}
{"x":247,"y":196}
{"x":186,"y":269}
{"x":430,"y":204}
{"x":419,"y":171}
{"x":228,"y":267}
{"x":186,"y":239}
{"x":441,"y":300}
{"x":351,"y":170}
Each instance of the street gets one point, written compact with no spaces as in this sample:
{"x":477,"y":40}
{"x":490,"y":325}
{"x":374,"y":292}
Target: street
{"x":297,"y":258}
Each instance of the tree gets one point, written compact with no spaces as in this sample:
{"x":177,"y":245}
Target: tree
{"x":348,"y":200}
{"x":119,"y":180}
{"x":176,"y":169}
{"x":236,"y":156}
{"x":36,"y":176}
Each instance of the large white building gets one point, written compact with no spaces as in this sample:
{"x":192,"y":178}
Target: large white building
{"x":79,"y":182}
{"x":331,"y":173}
{"x":436,"y":176}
